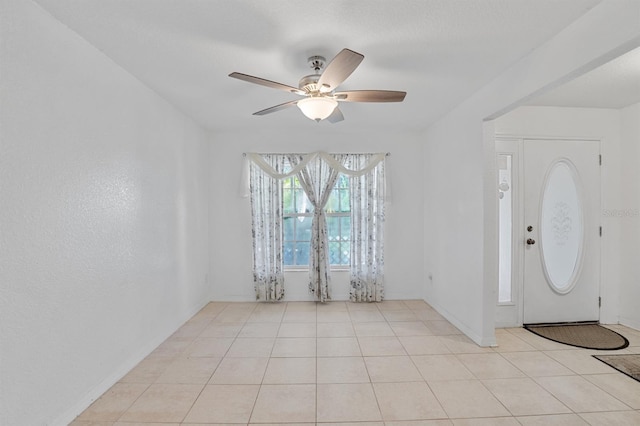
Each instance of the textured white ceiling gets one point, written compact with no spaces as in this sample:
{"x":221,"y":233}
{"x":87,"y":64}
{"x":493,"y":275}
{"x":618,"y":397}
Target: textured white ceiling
{"x":615,"y":84}
{"x":439,"y":51}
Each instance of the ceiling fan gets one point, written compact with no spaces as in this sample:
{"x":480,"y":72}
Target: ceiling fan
{"x":321,"y":99}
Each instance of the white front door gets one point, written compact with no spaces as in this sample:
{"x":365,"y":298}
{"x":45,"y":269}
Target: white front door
{"x":562,"y":231}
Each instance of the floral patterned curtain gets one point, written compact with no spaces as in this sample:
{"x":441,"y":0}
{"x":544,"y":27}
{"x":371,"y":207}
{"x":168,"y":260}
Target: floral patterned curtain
{"x":317,"y":173}
{"x":266,"y":220}
{"x":367,"y":230}
{"x":318,"y":179}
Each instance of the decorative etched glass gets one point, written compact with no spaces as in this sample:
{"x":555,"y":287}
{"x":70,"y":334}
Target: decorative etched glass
{"x":561,"y":227}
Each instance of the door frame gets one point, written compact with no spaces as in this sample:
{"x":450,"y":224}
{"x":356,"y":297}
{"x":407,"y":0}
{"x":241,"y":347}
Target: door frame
{"x":512,"y":314}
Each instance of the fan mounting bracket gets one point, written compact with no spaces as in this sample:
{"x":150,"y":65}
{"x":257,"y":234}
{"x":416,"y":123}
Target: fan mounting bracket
{"x":317,"y":63}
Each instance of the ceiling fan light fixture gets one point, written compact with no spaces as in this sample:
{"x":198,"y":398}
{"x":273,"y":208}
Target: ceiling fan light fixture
{"x":317,"y":108}
{"x":320,"y":100}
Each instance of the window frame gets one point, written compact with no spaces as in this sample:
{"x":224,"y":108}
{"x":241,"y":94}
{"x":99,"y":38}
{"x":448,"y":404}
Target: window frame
{"x":294,"y":186}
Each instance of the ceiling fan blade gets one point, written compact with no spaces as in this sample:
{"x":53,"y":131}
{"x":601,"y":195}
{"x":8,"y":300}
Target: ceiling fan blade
{"x":339,"y":69}
{"x":276,"y":108}
{"x":370,"y":96}
{"x":336,"y":116}
{"x":267,"y":83}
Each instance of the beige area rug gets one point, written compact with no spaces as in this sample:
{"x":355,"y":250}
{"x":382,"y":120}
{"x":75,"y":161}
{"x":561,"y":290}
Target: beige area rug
{"x":628,"y":364}
{"x":582,"y":335}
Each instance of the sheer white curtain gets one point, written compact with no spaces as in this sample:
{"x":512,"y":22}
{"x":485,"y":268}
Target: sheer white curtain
{"x":318,"y":179}
{"x":367,"y":229}
{"x":266,"y":221}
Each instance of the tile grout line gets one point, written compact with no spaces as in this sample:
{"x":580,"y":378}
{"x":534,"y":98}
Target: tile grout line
{"x":212,"y":373}
{"x":463,"y":350}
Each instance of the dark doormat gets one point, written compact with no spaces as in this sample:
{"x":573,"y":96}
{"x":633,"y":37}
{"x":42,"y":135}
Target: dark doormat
{"x":582,"y":335}
{"x":628,"y":364}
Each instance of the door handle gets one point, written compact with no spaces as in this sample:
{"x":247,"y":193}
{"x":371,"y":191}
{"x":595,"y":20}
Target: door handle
{"x":530,"y":241}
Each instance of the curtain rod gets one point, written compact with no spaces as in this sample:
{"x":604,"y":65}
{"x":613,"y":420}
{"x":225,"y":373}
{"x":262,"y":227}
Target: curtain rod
{"x":244,"y":154}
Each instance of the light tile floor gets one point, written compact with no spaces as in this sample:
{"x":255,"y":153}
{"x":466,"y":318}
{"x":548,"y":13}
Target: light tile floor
{"x":396,"y":363}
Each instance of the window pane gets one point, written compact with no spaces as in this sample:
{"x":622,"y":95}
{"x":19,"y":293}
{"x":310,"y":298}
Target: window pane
{"x":303,"y":205}
{"x":303,"y":228}
{"x":287,"y":183}
{"x":288,"y":201}
{"x":342,"y":182}
{"x":334,"y":252}
{"x":333,"y":228}
{"x":505,"y":231}
{"x":345,"y":253}
{"x":345,"y":226}
{"x":339,"y":253}
{"x":561,"y":226}
{"x":345,"y":205}
{"x":289,"y":225}
{"x":302,"y":253}
{"x":288,"y":253}
{"x":333,"y":203}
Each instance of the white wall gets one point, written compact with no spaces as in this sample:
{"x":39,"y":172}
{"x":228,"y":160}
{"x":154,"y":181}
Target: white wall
{"x":629,"y":217}
{"x":454,"y":223}
{"x":230,"y":241}
{"x":104,"y":220}
{"x":461,"y":216}
{"x":585,"y":123}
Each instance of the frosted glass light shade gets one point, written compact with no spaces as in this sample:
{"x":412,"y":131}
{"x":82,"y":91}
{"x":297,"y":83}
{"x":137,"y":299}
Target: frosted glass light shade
{"x":317,"y":108}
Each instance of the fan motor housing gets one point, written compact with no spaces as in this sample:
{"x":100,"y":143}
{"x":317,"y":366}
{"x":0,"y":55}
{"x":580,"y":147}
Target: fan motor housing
{"x":309,"y":83}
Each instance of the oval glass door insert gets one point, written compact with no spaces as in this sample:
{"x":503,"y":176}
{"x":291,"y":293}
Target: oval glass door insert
{"x":561,"y":227}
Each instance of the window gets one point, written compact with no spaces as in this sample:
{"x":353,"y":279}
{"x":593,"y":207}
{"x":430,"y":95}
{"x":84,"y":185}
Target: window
{"x":282,"y":216}
{"x":298,"y":214}
{"x":505,"y":228}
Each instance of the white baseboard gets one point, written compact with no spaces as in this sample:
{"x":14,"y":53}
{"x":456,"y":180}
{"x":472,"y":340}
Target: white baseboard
{"x":506,"y":325}
{"x":630,"y":322}
{"x":485,"y":341}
